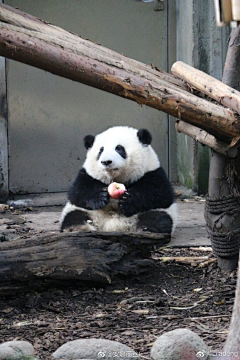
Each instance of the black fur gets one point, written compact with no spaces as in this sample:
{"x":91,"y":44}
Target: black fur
{"x":100,"y":152}
{"x":121,"y":151}
{"x":152,"y":191}
{"x":88,"y":141}
{"x":74,"y":219}
{"x":87,"y":192}
{"x":155,"y":221}
{"x":144,"y":136}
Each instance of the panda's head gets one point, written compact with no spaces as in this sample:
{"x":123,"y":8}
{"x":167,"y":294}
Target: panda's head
{"x":121,"y":154}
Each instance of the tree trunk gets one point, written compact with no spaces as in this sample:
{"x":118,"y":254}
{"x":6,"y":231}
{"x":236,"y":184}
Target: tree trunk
{"x":232,"y":344}
{"x":222,"y":210}
{"x":29,"y":40}
{"x":231,"y":76}
{"x":86,"y":257}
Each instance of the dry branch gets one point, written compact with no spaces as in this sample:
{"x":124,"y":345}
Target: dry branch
{"x":200,"y":261}
{"x":184,"y":259}
{"x":29,"y":40}
{"x":206,"y":139}
{"x":92,"y":257}
{"x":207,"y":84}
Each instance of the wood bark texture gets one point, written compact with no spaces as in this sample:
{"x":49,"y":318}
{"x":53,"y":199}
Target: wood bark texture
{"x":85,"y":257}
{"x":206,"y":139}
{"x":208,"y":85}
{"x":224,"y":175}
{"x":231,"y":76}
{"x":29,"y":40}
{"x":224,"y":222}
{"x":232,"y":344}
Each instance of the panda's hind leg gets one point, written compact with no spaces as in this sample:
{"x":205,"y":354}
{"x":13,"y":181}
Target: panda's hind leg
{"x":156,"y":221}
{"x":76,"y":220}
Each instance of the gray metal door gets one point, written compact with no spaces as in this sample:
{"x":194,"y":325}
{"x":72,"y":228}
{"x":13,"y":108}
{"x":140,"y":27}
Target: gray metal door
{"x":48,"y":116}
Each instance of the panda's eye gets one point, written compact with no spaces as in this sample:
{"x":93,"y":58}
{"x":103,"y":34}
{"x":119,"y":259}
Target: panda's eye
{"x":100,"y":152}
{"x":121,"y":151}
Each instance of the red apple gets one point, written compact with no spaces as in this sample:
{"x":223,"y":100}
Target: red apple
{"x":115,"y":190}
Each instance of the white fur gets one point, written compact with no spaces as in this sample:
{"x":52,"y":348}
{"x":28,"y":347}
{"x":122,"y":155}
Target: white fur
{"x":108,"y":219}
{"x":140,"y":159}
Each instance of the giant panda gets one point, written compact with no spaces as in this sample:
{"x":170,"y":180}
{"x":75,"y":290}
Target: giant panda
{"x":124,"y":155}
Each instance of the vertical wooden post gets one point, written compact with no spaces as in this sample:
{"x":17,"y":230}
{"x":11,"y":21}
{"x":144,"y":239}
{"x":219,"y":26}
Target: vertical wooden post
{"x":222,"y":210}
{"x":3,"y":133}
{"x":232,"y":344}
{"x":231,"y":76}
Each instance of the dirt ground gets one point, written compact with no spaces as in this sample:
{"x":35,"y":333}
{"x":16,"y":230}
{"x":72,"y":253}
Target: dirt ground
{"x":133,"y":310}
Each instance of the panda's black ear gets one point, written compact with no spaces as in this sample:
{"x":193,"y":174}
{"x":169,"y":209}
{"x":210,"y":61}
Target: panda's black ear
{"x":88,"y":141}
{"x":144,"y":136}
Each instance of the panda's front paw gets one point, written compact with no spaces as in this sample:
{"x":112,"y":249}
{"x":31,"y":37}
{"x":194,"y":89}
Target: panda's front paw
{"x":103,"y":199}
{"x":99,"y":200}
{"x":126,"y":204}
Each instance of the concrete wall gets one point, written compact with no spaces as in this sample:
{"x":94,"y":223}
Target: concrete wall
{"x":48,"y":116}
{"x":197,"y":41}
{"x":202,"y":44}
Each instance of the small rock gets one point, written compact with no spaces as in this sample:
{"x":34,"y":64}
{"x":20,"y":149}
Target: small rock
{"x":179,"y":344}
{"x":20,"y":203}
{"x":3,"y":237}
{"x":94,"y":349}
{"x":16,"y":350}
{"x":3,"y":208}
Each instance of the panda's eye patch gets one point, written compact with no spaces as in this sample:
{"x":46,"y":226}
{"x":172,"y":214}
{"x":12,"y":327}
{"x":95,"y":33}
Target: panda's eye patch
{"x":121,"y":151}
{"x":100,"y":152}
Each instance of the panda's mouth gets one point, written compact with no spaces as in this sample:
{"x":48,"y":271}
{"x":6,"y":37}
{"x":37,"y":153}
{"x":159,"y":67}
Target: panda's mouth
{"x":110,"y":170}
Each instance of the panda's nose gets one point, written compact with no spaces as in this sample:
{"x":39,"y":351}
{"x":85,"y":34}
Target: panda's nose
{"x":106,"y":162}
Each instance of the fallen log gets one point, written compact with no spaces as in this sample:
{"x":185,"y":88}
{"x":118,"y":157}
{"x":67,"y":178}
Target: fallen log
{"x":29,"y":40}
{"x":84,"y":257}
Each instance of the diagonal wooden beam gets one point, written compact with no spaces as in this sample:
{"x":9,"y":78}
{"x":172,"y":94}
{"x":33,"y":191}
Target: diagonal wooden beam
{"x":208,"y":85}
{"x":29,"y":40}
